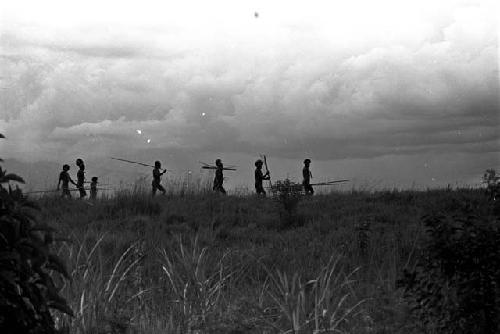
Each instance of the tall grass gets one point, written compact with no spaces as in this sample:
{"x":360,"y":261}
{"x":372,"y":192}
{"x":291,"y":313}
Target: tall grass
{"x":205,"y":264}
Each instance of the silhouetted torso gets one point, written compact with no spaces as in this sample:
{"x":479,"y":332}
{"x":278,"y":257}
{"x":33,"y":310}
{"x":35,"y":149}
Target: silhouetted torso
{"x":64,"y":178}
{"x":80,"y":177}
{"x":306,"y":174}
{"x":156,"y":175}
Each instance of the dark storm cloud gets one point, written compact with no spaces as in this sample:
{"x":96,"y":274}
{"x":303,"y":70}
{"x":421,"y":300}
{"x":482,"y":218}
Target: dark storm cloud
{"x":289,"y":97}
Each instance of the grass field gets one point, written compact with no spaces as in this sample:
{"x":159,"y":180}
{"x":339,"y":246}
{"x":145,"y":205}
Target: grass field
{"x":201,"y":263}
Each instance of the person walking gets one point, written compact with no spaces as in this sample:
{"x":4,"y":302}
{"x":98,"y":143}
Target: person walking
{"x":259,"y":177}
{"x":65,"y":179}
{"x":93,"y":188}
{"x":156,"y":184}
{"x":307,"y":175}
{"x":219,"y":177}
{"x":80,"y":178}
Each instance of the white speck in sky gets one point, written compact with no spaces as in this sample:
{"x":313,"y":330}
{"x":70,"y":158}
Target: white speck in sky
{"x":433,"y":179}
{"x":139,"y":131}
{"x":149,"y":141}
{"x":203,"y":114}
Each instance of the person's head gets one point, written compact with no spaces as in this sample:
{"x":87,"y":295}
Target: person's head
{"x":157,"y":164}
{"x":94,"y":179}
{"x":79,"y":162}
{"x":258,"y":163}
{"x":65,"y":168}
{"x":218,"y":162}
{"x":307,"y":162}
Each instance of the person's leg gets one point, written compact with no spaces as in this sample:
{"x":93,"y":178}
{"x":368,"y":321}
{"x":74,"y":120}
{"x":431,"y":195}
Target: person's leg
{"x":260,"y":191}
{"x":222,"y":190}
{"x":160,"y":187}
{"x":83,"y":193}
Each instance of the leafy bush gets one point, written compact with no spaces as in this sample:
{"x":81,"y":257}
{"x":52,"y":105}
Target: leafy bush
{"x":27,"y":290}
{"x":492,"y":181}
{"x":288,"y":194}
{"x":455,"y":287}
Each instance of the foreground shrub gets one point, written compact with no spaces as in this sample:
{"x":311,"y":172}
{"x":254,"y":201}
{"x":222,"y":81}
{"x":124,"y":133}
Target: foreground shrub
{"x":455,"y":287}
{"x":27,"y":290}
{"x":492,"y":182}
{"x":288,"y":194}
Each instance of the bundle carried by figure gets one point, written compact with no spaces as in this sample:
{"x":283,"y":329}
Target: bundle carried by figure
{"x":208,"y":166}
{"x":219,"y":174}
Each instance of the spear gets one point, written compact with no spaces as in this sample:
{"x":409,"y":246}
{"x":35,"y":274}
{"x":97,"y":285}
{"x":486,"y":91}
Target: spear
{"x":102,"y":184}
{"x":329,"y":183}
{"x":267,"y":169}
{"x":137,"y":163}
{"x":214,"y":167}
{"x":56,"y":190}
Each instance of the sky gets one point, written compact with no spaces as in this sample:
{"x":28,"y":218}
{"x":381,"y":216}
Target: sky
{"x":386,"y":93}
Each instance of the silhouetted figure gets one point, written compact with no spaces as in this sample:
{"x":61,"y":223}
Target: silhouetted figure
{"x":80,"y":178}
{"x":307,"y":175}
{"x":219,"y":177}
{"x":65,"y":179}
{"x":259,"y":177}
{"x":93,"y":188}
{"x":157,"y":173}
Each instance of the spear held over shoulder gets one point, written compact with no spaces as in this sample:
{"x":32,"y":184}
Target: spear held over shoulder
{"x":136,"y":162}
{"x":267,"y":168}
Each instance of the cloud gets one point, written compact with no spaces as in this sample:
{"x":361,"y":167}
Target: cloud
{"x":290,"y":93}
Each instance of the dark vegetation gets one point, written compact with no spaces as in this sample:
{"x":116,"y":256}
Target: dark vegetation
{"x":211,"y":264}
{"x":455,"y":287}
{"x":27,"y":264}
{"x":356,"y":262}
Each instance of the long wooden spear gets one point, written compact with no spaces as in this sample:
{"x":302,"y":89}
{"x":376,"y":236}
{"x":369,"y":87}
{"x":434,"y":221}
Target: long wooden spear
{"x":56,"y":190}
{"x":329,"y":183}
{"x":137,"y":163}
{"x":267,"y":169}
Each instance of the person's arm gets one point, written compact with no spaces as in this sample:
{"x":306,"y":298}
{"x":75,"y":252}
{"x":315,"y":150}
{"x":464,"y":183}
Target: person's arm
{"x":71,"y":180}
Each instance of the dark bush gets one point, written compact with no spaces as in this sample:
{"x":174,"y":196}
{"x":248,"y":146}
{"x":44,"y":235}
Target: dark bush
{"x":288,"y":194}
{"x":27,"y":289}
{"x":455,"y":287}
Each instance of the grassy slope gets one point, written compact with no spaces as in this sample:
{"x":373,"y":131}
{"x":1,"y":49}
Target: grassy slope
{"x":139,"y":263}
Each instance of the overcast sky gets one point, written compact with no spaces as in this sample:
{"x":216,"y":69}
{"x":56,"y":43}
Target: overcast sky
{"x":392,"y":91}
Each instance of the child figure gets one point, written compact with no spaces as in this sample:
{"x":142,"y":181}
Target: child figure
{"x":65,"y":179}
{"x":93,"y":188}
